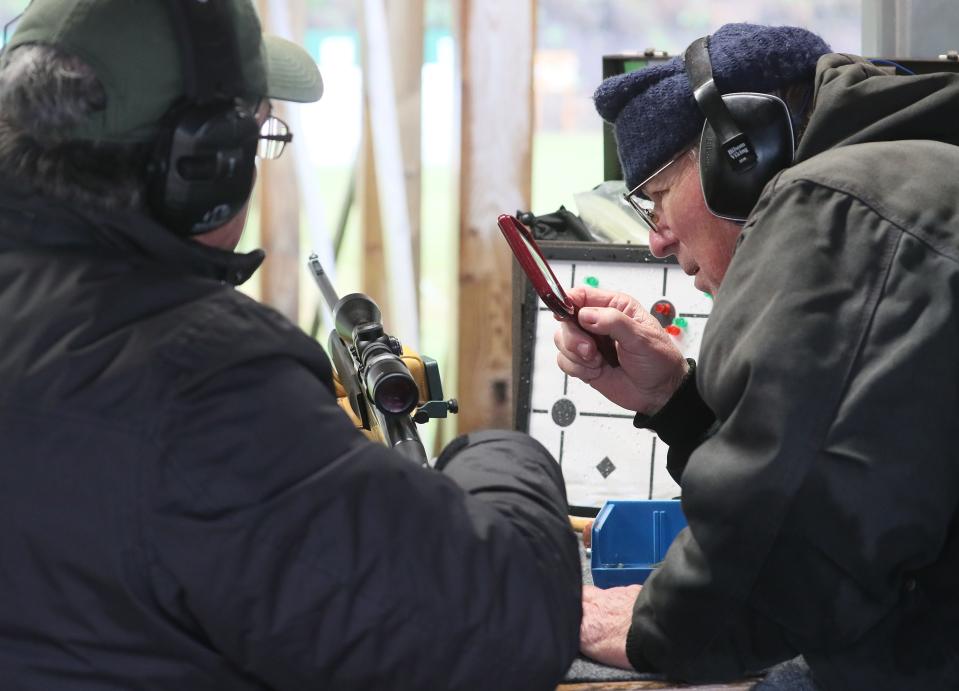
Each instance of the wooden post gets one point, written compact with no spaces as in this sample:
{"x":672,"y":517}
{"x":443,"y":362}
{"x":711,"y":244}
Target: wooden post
{"x":280,"y":214}
{"x":497,"y":39}
{"x":403,"y":30}
{"x":401,"y":316}
{"x":406,"y":49}
{"x":373,"y":258}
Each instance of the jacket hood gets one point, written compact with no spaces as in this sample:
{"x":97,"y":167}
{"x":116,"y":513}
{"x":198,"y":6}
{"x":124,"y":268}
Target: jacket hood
{"x":856,"y":102}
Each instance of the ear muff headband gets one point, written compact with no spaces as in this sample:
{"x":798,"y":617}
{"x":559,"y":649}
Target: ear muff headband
{"x":202,"y":169}
{"x":207,"y":48}
{"x":734,"y":143}
{"x":747,"y":138}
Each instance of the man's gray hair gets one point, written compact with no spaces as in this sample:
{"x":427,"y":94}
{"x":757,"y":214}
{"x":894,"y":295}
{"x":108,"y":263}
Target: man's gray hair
{"x":44,"y":94}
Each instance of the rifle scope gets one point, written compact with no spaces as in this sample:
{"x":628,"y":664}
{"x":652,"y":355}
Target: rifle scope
{"x":389,"y":383}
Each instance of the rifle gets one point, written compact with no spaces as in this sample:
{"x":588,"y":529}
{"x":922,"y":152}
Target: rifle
{"x":372,"y":367}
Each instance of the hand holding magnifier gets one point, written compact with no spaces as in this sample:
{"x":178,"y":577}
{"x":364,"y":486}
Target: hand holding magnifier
{"x":533,"y":263}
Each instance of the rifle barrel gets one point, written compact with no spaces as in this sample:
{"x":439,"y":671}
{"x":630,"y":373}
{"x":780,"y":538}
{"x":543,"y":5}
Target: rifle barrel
{"x":323,"y":281}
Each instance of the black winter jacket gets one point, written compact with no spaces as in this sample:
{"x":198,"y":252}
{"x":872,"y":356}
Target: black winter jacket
{"x":184,"y":506}
{"x":822,"y":505}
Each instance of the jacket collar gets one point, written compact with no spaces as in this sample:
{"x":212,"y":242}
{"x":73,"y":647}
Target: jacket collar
{"x":30,"y":221}
{"x":857,"y":102}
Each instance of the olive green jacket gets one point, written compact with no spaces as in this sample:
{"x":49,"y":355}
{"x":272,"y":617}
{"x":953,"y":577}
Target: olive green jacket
{"x":822,"y":507}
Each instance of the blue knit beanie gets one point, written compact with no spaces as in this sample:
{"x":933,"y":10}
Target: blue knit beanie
{"x":653,"y":111}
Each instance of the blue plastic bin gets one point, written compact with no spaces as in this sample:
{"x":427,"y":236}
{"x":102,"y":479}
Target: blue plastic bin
{"x":629,"y":538}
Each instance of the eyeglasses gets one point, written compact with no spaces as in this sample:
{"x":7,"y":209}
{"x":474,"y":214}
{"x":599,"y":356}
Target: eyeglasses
{"x":274,"y":136}
{"x":639,"y":200}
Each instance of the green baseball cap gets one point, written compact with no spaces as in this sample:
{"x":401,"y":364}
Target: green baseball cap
{"x":134,"y":49}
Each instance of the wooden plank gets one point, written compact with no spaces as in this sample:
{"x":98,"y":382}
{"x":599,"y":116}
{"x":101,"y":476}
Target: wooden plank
{"x":406,"y":50}
{"x":496,"y":41}
{"x":744,"y":685}
{"x":373,"y":256}
{"x":280,"y":213}
{"x":280,"y":235}
{"x":392,"y":54}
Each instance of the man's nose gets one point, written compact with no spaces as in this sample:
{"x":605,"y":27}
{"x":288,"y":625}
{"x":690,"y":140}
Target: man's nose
{"x":661,"y":244}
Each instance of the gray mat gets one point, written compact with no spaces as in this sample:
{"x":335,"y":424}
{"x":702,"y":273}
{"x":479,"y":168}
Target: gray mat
{"x":792,"y":675}
{"x":583,"y":670}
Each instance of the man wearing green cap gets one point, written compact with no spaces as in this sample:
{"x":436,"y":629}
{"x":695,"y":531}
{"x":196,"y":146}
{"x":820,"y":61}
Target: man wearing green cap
{"x":183,"y":505}
{"x":815,"y":441}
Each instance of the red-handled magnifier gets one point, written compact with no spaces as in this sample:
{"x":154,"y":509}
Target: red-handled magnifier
{"x":534,"y":265}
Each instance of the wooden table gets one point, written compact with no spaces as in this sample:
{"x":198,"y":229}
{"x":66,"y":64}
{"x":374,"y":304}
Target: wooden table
{"x":744,"y":685}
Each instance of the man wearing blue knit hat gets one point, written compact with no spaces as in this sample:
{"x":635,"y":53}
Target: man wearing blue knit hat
{"x":814,"y":195}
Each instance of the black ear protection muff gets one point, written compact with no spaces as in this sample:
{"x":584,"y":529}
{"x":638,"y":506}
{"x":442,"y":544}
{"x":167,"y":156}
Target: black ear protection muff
{"x":746,"y":140}
{"x":201,"y":171}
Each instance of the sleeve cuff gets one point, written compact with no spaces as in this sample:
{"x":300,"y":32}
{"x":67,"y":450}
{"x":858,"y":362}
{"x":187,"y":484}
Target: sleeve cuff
{"x":634,"y":654}
{"x":451,"y":449}
{"x":685,"y":415}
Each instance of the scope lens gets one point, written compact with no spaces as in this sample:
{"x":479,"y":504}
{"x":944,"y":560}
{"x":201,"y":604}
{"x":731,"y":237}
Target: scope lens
{"x":394,"y":393}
